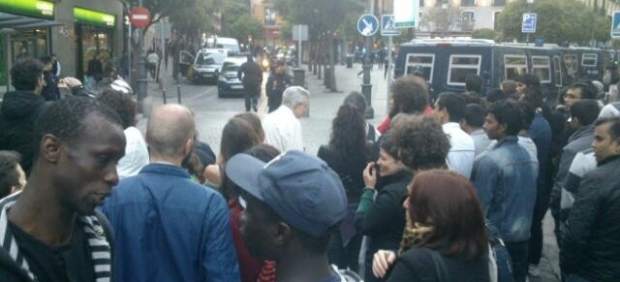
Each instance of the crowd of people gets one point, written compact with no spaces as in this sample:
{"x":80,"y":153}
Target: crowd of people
{"x":450,"y":187}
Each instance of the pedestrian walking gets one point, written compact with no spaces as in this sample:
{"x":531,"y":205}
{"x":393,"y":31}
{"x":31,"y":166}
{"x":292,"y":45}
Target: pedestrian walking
{"x":251,"y":75}
{"x":282,"y":126}
{"x":277,"y":82}
{"x":347,"y":153}
{"x":20,"y":109}
{"x":172,"y":228}
{"x":293,"y":204}
{"x":449,"y":111}
{"x":51,"y":230}
{"x":50,"y":91}
{"x":451,"y":242}
{"x":505,"y":180}
{"x":12,"y":176}
{"x":590,"y":251}
{"x":136,"y":152}
{"x":94,"y":72}
{"x":152,"y":60}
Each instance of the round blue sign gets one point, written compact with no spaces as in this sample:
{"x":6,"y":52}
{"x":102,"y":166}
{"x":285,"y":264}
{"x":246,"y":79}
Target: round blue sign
{"x":368,"y":25}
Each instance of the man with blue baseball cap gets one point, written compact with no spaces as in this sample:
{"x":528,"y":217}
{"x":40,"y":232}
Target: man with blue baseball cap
{"x":292,"y":206}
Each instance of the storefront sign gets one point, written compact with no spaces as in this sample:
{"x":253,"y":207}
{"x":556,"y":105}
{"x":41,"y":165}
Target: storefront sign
{"x":91,"y":17}
{"x":30,"y":8}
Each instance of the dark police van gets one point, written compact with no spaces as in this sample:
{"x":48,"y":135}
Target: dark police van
{"x":445,"y":63}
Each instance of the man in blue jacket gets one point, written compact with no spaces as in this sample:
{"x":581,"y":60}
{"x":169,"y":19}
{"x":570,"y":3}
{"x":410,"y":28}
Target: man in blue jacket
{"x":505,"y":177}
{"x":168,"y":227}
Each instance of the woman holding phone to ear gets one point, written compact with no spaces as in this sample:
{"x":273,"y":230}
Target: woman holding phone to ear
{"x":383,"y":219}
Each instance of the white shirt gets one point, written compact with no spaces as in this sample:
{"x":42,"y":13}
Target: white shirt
{"x":283,"y":130}
{"x":136,"y":154}
{"x":481,"y":140}
{"x":610,"y":110}
{"x":462,"y":150}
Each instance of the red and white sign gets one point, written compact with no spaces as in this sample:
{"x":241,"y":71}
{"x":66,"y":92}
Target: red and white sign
{"x":140,"y":17}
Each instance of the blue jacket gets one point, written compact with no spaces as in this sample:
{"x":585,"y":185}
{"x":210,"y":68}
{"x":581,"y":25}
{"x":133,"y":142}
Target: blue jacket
{"x":169,"y":228}
{"x":505,"y":179}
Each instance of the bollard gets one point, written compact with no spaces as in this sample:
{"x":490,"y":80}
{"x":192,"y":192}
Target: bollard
{"x":179,"y":93}
{"x":299,"y":77}
{"x":349,"y":61}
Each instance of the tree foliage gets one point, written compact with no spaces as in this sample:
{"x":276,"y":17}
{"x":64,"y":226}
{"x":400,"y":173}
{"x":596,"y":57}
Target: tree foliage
{"x":321,"y":15}
{"x":559,"y":21}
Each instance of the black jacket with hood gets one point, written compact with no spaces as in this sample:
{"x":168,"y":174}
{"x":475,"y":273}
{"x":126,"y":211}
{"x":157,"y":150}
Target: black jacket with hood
{"x":14,"y":268}
{"x":18,"y":113}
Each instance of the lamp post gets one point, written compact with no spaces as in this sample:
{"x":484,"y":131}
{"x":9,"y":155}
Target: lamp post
{"x":366,"y":84}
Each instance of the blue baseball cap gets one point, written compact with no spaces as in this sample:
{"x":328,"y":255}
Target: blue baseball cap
{"x":300,"y":188}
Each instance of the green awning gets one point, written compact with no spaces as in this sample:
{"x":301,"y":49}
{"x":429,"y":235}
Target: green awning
{"x":95,"y":18}
{"x":30,"y":8}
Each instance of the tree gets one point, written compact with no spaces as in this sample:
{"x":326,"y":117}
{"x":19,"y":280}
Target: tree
{"x":559,"y":21}
{"x":442,"y":20}
{"x":242,"y":27}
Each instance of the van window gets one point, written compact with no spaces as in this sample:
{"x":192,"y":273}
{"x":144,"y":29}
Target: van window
{"x":557,"y":71}
{"x":589,"y":60}
{"x":461,"y":66}
{"x":541,"y":67}
{"x":514,"y":66}
{"x":571,"y":64}
{"x":421,"y":62}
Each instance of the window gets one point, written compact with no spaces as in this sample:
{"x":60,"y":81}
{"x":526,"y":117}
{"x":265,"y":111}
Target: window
{"x":468,"y":18}
{"x":495,"y":20}
{"x":499,"y":3}
{"x":557,"y":71}
{"x":270,"y":16}
{"x":461,"y":66}
{"x":541,"y":67}
{"x":571,"y":64}
{"x":589,"y":60}
{"x":514,"y":65}
{"x":468,"y":3}
{"x":421,"y":3}
{"x":422,"y":63}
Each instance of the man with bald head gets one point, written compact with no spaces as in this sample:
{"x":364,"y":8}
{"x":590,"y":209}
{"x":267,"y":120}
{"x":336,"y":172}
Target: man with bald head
{"x":167,"y":227}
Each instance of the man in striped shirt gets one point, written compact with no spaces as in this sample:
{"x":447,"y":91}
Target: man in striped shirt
{"x":50,"y":231}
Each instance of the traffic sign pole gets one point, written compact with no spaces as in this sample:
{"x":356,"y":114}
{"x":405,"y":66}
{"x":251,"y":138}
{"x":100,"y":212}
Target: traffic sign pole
{"x":368,"y":25}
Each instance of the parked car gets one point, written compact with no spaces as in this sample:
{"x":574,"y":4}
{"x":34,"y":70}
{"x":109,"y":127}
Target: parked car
{"x":207,"y":65}
{"x":228,"y":84}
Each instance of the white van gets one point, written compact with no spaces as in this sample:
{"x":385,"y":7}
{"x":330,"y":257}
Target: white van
{"x":230,"y":44}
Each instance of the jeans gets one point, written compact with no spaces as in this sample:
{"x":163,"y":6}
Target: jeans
{"x":518,"y":253}
{"x":252,"y":92}
{"x":504,"y":264}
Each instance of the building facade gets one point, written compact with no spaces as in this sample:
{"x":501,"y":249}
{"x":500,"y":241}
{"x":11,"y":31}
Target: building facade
{"x":76,"y":31}
{"x":266,"y":13}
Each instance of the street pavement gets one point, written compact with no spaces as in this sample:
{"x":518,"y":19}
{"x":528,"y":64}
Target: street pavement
{"x":212,"y":113}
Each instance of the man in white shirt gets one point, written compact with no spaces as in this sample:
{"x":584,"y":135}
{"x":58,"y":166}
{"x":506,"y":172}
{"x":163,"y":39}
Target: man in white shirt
{"x":282,"y":126}
{"x":450,"y":110}
{"x":472,"y":124}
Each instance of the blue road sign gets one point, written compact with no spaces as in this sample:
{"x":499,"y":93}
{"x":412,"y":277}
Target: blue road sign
{"x":615,"y":25}
{"x":387,"y":26}
{"x":367,"y":25}
{"x":528,"y":25}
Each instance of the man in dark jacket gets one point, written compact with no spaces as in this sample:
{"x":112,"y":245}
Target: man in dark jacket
{"x":251,"y":75}
{"x":50,"y":91}
{"x":51,"y":231}
{"x":591,"y":245}
{"x":276,"y":84}
{"x":20,"y":109}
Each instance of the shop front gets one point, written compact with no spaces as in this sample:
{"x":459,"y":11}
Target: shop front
{"x":25,"y":29}
{"x":94,"y":32}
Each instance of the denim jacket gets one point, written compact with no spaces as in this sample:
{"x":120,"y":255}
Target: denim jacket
{"x":505,"y":179}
